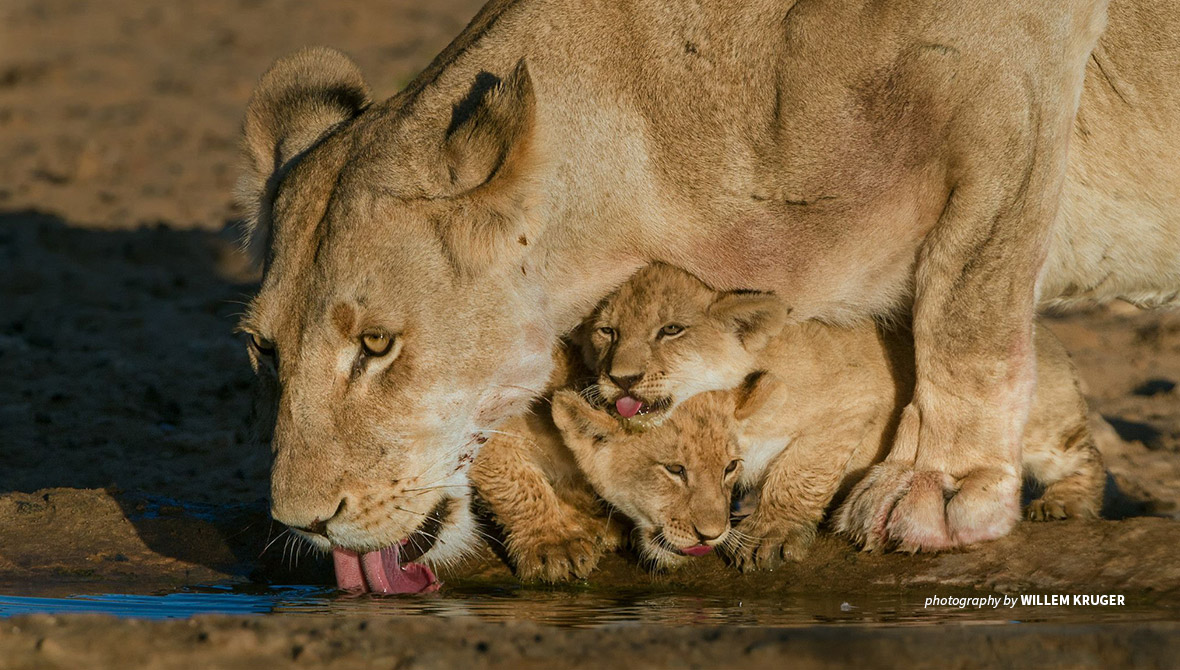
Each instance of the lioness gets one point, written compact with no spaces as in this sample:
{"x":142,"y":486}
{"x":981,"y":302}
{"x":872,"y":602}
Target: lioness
{"x":960,"y":162}
{"x":824,"y":411}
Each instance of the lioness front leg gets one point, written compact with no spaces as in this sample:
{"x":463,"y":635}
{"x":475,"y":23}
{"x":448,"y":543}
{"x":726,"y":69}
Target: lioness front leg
{"x":548,"y":537}
{"x":953,"y":475}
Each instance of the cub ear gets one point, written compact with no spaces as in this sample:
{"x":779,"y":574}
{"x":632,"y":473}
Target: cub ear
{"x":582,"y":425}
{"x":754,"y":393}
{"x":299,"y":99}
{"x":755,"y":317}
{"x":490,"y":154}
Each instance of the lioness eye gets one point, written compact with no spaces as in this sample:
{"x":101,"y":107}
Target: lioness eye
{"x":732,"y":466}
{"x":671,"y":330}
{"x":262,"y":345}
{"x":376,"y":344}
{"x":607,"y":331}
{"x":675,"y":469}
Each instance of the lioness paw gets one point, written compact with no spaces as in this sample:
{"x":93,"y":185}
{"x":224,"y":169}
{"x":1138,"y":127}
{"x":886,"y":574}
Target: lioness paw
{"x":898,"y":508}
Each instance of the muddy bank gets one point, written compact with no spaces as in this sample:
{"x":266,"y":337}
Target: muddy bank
{"x":93,"y":537}
{"x":404,"y":643}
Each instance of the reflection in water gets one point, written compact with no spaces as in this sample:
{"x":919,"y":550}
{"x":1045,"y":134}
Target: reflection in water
{"x":584,"y":608}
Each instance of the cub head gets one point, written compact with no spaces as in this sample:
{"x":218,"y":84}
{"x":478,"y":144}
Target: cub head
{"x":665,"y":336}
{"x":674,"y":481}
{"x":393,"y":324}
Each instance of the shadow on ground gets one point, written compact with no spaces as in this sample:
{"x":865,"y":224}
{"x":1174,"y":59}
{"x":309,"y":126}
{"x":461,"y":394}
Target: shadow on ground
{"x":122,"y":375}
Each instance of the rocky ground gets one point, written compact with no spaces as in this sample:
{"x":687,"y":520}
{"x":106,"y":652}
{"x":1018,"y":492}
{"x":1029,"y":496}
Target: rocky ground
{"x":124,"y":402}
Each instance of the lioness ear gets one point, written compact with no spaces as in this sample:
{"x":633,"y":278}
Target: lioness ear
{"x":755,"y":317}
{"x":754,"y":393}
{"x":490,"y":154}
{"x":299,"y":99}
{"x":490,"y":130}
{"x":582,"y":425}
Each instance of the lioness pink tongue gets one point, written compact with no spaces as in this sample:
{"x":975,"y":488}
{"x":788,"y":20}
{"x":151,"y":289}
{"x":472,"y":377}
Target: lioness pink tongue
{"x":380,"y":572}
{"x":628,"y":406}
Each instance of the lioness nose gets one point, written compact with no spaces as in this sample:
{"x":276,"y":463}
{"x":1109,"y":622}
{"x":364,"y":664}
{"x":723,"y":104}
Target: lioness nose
{"x":319,"y":526}
{"x":625,"y":382}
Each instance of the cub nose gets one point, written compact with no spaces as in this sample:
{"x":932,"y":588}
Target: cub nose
{"x":625,"y":382}
{"x":708,"y":534}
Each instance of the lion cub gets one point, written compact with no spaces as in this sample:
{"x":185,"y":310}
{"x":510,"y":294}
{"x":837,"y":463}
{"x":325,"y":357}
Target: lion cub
{"x":674,"y":481}
{"x":809,"y":428}
{"x":820,"y":408}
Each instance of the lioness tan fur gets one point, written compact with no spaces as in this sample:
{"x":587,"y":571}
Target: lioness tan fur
{"x":812,"y":407}
{"x":956,"y":163}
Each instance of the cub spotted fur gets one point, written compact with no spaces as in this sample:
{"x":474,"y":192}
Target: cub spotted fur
{"x":674,"y":481}
{"x":825,"y":412}
{"x":663,"y":336}
{"x":828,"y":408}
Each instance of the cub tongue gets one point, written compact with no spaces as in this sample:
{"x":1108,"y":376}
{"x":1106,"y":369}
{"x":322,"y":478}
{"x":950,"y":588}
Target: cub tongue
{"x":381,"y":572}
{"x":697,"y":550}
{"x":628,"y":406}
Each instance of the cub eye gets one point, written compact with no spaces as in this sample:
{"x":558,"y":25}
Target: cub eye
{"x":671,"y":330}
{"x":376,"y":344}
{"x":262,"y":345}
{"x":607,"y":332}
{"x":732,"y":466}
{"x":675,"y":469}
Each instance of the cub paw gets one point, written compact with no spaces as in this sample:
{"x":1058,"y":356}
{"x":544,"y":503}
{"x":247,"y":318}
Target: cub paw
{"x":1051,"y":508}
{"x":557,"y":560}
{"x":558,"y":555}
{"x":764,"y":546}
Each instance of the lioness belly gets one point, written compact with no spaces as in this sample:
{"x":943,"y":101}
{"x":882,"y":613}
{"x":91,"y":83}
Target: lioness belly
{"x":1118,"y":229}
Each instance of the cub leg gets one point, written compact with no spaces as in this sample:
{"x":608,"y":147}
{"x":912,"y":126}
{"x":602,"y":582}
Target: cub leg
{"x":1073,"y":475}
{"x":795,"y":492}
{"x":953,"y":475}
{"x":551,"y":536}
{"x":1059,"y":450}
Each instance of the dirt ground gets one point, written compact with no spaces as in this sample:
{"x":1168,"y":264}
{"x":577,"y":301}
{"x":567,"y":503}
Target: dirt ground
{"x":124,"y":393}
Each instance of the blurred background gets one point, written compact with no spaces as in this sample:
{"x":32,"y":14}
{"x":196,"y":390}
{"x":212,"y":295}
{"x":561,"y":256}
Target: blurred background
{"x":119,"y":273}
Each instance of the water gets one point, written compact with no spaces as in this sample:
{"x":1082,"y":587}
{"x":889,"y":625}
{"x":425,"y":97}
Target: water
{"x":571,"y":608}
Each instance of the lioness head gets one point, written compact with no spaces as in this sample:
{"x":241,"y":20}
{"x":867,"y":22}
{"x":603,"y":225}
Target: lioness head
{"x":674,"y":481}
{"x":665,"y":336}
{"x":391,"y":300}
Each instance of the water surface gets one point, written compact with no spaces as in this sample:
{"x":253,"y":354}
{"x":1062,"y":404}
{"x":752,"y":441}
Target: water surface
{"x":572,"y":607}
